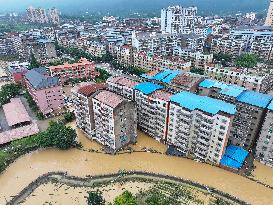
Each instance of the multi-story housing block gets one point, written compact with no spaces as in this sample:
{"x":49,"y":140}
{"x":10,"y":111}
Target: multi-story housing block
{"x":264,"y":148}
{"x":152,"y":109}
{"x":82,"y":100}
{"x":53,"y":16}
{"x":177,"y":19}
{"x":115,"y":120}
{"x":124,"y":55}
{"x":199,"y":126}
{"x":251,"y":108}
{"x":269,"y":17}
{"x":45,"y":90}
{"x":82,"y":69}
{"x":122,"y":86}
{"x":96,"y":49}
{"x":40,"y":15}
{"x":251,"y":79}
{"x":44,"y":50}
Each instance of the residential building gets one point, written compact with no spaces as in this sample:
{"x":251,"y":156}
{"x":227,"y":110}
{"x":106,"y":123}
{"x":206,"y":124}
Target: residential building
{"x":251,"y":108}
{"x":53,"y":16}
{"x":40,"y":15}
{"x":44,"y":50}
{"x":178,"y":19}
{"x":122,"y":86}
{"x":45,"y":90}
{"x":252,"y":79}
{"x":199,"y":126}
{"x":269,"y":17}
{"x":264,"y":148}
{"x":115,"y":120}
{"x":152,"y":109}
{"x":96,"y":49}
{"x":84,"y":112}
{"x":82,"y":69}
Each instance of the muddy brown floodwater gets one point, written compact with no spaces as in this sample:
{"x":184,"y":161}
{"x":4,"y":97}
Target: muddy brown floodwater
{"x":81,"y":163}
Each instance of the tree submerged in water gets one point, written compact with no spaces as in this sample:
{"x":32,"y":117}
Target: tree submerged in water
{"x":95,"y":198}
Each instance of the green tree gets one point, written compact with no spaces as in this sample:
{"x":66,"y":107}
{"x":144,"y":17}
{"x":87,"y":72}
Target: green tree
{"x":247,"y":61}
{"x":68,"y":117}
{"x":95,"y":198}
{"x":9,"y":91}
{"x":59,"y":136}
{"x":33,"y":62}
{"x":222,"y":58}
{"x":156,"y":199}
{"x":199,"y":71}
{"x":126,"y":198}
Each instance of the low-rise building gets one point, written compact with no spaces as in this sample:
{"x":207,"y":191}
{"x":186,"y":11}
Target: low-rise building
{"x":199,"y":126}
{"x":45,"y":90}
{"x":264,"y":148}
{"x":82,"y":69}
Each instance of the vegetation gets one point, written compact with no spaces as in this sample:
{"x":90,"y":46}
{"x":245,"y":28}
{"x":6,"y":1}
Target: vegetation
{"x":222,"y":58}
{"x":197,"y":71}
{"x":95,"y":198}
{"x":155,"y":198}
{"x":33,"y":62}
{"x":126,"y":198}
{"x":9,"y":91}
{"x":69,"y":117}
{"x":104,"y":75}
{"x":57,"y":136}
{"x":246,"y":61}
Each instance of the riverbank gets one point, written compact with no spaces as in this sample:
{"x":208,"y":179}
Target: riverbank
{"x":54,"y":187}
{"x":81,"y":163}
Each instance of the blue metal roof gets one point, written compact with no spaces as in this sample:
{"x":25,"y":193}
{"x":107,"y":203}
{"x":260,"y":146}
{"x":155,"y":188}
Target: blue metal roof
{"x":148,"y":88}
{"x":204,"y":103}
{"x":234,"y":157}
{"x":255,"y":98}
{"x":270,"y":106}
{"x":166,"y":76}
{"x":225,"y":89}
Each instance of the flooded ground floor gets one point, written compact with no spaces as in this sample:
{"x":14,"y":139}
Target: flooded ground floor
{"x":81,"y":163}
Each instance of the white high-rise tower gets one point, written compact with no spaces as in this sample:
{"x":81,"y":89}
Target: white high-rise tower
{"x":269,"y":18}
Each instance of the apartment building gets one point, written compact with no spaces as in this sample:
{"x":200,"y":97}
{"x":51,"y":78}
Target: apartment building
{"x":82,"y":69}
{"x":178,"y":19}
{"x":124,"y":55}
{"x":264,"y":148}
{"x":251,"y":79}
{"x":199,"y":126}
{"x":115,"y":120}
{"x":43,"y":50}
{"x":84,"y":112}
{"x":96,"y":49}
{"x":45,"y":90}
{"x":269,"y":17}
{"x":251,"y":108}
{"x":198,"y":59}
{"x":152,"y":109}
{"x":122,"y":86}
{"x":256,"y":40}
{"x":40,"y":15}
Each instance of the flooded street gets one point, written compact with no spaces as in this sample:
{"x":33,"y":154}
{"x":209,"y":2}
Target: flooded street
{"x":82,"y":163}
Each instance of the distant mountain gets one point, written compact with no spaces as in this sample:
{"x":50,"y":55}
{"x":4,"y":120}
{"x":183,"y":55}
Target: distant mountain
{"x":128,"y":6}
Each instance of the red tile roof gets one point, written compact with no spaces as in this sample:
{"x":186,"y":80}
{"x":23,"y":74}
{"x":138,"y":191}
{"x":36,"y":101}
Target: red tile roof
{"x":88,"y":90}
{"x":160,"y":94}
{"x":109,"y":98}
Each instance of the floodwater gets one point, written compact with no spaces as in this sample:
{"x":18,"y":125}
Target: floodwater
{"x":81,"y":163}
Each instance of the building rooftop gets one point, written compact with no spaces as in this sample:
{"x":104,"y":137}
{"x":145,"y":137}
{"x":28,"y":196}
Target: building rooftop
{"x":270,"y":106}
{"x":225,"y":89}
{"x":165,"y":75}
{"x":187,"y":79}
{"x":15,"y":112}
{"x":160,"y":94}
{"x":255,"y":98}
{"x":82,"y":62}
{"x":121,"y":80}
{"x":210,"y":105}
{"x":147,"y":87}
{"x":90,"y":89}
{"x":109,"y":98}
{"x":39,"y":79}
{"x":234,"y":157}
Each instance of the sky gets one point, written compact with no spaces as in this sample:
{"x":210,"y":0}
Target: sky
{"x":72,"y":6}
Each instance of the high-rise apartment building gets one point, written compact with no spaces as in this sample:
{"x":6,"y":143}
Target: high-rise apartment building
{"x":269,"y":17}
{"x":177,"y":19}
{"x":199,"y":126}
{"x":40,"y":15}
